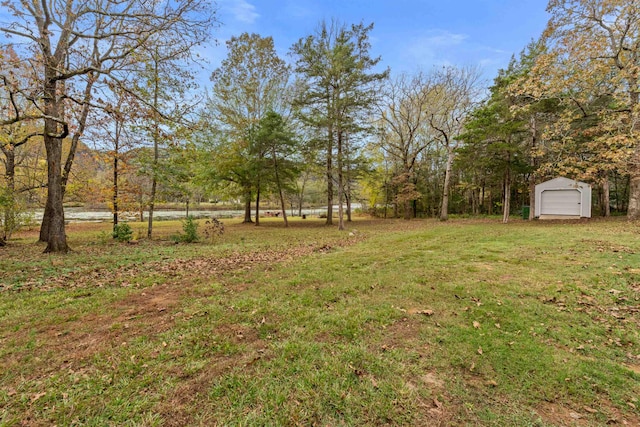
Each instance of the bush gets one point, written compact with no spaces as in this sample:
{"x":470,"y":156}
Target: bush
{"x":190,"y":228}
{"x":122,"y":232}
{"x":13,"y":214}
{"x":213,"y":228}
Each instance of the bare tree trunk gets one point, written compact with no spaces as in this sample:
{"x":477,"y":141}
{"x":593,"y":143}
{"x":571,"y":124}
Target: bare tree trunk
{"x":45,"y":228}
{"x":606,"y":206}
{"x":91,"y":77}
{"x":116,"y":153}
{"x":532,"y":196}
{"x":10,"y":172}
{"x":444,"y":212}
{"x":633,"y":208}
{"x":282,"y":206}
{"x":56,"y":239}
{"x":407,"y":189}
{"x":624,"y":203}
{"x":533,"y":164}
{"x":53,"y":220}
{"x":301,"y":193}
{"x":258,"y":205}
{"x":340,"y":184}
{"x":152,"y":198}
{"x":156,"y":142}
{"x":247,"y":207}
{"x":386,"y":198}
{"x":347,"y":194}
{"x":330,"y":177}
{"x":506,"y":202}
{"x":406,"y":209}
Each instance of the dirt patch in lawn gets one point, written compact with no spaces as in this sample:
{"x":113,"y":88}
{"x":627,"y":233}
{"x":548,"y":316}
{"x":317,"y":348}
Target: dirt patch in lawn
{"x":143,"y":311}
{"x":559,"y":415}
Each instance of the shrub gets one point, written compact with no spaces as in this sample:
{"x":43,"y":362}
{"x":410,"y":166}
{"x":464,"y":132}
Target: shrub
{"x":213,"y":228}
{"x":122,"y":232}
{"x":190,"y":228}
{"x":13,"y":214}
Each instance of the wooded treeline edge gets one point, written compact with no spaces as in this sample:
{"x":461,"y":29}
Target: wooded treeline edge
{"x":101,"y":105}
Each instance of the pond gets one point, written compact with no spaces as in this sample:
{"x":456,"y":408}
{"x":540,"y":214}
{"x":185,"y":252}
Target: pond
{"x":79,"y":214}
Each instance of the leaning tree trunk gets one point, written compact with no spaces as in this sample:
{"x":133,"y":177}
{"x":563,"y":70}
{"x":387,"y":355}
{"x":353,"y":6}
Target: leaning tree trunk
{"x":444,"y":211}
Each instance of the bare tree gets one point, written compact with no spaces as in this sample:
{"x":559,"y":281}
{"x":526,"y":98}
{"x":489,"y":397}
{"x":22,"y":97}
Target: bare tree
{"x":456,"y":91}
{"x":403,"y":124}
{"x":73,"y":44}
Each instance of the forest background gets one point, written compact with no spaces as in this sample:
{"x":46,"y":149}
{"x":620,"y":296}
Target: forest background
{"x":102,"y":106}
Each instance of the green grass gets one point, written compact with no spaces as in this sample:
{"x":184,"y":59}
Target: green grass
{"x":402,"y":323}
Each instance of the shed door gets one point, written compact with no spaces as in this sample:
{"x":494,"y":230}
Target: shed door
{"x":560,"y":202}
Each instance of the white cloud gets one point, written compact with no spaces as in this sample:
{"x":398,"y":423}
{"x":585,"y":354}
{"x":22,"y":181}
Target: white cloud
{"x":436,"y":47}
{"x":296,"y":10}
{"x":443,"y":38}
{"x":240,"y":10}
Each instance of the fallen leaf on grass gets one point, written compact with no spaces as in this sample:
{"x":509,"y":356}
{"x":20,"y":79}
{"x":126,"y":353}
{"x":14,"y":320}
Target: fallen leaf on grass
{"x":480,"y":350}
{"x":37,"y":396}
{"x":590,"y":410}
{"x":426,"y":312}
{"x":437,"y":403}
{"x":492,"y":383}
{"x":476,"y":324}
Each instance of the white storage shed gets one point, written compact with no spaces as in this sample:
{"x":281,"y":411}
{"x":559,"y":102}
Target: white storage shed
{"x":563,"y":198}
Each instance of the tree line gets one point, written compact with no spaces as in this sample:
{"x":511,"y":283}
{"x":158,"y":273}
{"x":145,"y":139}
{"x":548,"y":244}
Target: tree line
{"x":119,"y":76}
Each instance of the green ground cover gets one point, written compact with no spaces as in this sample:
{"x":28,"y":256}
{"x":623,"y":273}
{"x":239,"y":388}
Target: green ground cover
{"x":467,"y":322}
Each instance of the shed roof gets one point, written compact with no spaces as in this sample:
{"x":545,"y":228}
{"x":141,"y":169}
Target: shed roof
{"x":562,"y":182}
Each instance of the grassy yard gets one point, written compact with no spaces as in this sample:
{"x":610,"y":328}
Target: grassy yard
{"x":469,"y":322}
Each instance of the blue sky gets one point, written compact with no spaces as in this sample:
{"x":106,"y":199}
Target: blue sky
{"x":408,"y":34}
